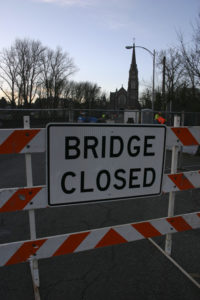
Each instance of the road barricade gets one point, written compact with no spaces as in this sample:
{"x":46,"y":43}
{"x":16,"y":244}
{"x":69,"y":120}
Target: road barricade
{"x":27,"y":141}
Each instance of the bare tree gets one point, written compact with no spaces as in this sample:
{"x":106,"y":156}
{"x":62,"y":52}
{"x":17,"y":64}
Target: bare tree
{"x":92,"y":93}
{"x":174,"y":72}
{"x":68,"y":89}
{"x":29,"y":68}
{"x":191,"y":55}
{"x":8,"y":74}
{"x":57,"y":66}
{"x":84,"y":92}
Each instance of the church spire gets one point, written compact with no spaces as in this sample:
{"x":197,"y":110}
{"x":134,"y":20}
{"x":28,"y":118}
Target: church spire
{"x":133,"y":84}
{"x":133,"y":62}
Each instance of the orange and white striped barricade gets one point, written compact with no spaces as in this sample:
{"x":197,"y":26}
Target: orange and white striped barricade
{"x":23,"y":251}
{"x":16,"y":199}
{"x":33,"y":140}
{"x":183,"y":136}
{"x":22,"y":141}
{"x":29,"y":141}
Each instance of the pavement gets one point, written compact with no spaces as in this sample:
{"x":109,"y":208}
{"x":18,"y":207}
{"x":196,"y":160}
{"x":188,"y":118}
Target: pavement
{"x":131,"y":271}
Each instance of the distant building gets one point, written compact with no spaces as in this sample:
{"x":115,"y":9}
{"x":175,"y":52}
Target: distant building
{"x":122,"y":99}
{"x":118,"y":99}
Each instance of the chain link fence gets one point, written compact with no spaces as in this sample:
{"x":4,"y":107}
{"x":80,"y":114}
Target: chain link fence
{"x":13,"y":118}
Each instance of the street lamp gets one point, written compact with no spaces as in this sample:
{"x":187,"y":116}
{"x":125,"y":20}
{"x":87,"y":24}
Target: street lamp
{"x":154,"y":60}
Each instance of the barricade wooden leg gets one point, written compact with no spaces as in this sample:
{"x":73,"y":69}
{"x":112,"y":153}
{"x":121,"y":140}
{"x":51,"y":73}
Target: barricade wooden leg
{"x":29,"y":180}
{"x":168,"y":241}
{"x":175,"y":263}
{"x":174,"y":165}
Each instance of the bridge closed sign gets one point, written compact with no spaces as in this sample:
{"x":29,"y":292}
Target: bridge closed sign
{"x":102,"y":162}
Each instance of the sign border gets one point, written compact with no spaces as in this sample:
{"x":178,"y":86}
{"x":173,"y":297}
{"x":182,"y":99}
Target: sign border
{"x":49,"y":125}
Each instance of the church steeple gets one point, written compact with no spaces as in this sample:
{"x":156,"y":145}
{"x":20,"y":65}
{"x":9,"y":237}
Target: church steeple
{"x":133,"y":62}
{"x":133,"y":83}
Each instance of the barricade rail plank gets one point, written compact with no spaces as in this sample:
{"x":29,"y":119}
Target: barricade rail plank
{"x":15,"y":199}
{"x":22,"y":141}
{"x":23,"y":251}
{"x":34,"y":140}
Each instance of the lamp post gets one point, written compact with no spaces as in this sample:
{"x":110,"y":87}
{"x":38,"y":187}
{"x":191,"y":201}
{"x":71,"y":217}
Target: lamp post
{"x":153,"y":54}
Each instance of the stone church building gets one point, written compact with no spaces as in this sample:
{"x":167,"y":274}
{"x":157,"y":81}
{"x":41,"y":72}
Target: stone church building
{"x":122,"y":99}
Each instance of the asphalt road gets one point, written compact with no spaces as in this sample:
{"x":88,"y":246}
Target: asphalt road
{"x":130,"y":271}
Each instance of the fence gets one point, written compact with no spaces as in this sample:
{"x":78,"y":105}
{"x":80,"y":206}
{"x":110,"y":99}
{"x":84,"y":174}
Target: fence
{"x":28,"y":141}
{"x":13,"y":118}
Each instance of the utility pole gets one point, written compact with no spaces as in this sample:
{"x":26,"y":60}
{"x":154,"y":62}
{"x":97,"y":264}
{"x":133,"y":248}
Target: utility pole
{"x":164,"y":105}
{"x":153,"y":83}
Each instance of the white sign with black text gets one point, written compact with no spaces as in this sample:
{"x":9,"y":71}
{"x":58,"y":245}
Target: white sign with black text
{"x":98,"y":162}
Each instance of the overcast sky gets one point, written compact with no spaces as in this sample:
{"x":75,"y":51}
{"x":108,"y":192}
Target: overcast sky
{"x":95,"y":32}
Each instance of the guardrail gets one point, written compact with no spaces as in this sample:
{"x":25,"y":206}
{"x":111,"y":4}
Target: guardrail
{"x":27,"y":141}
